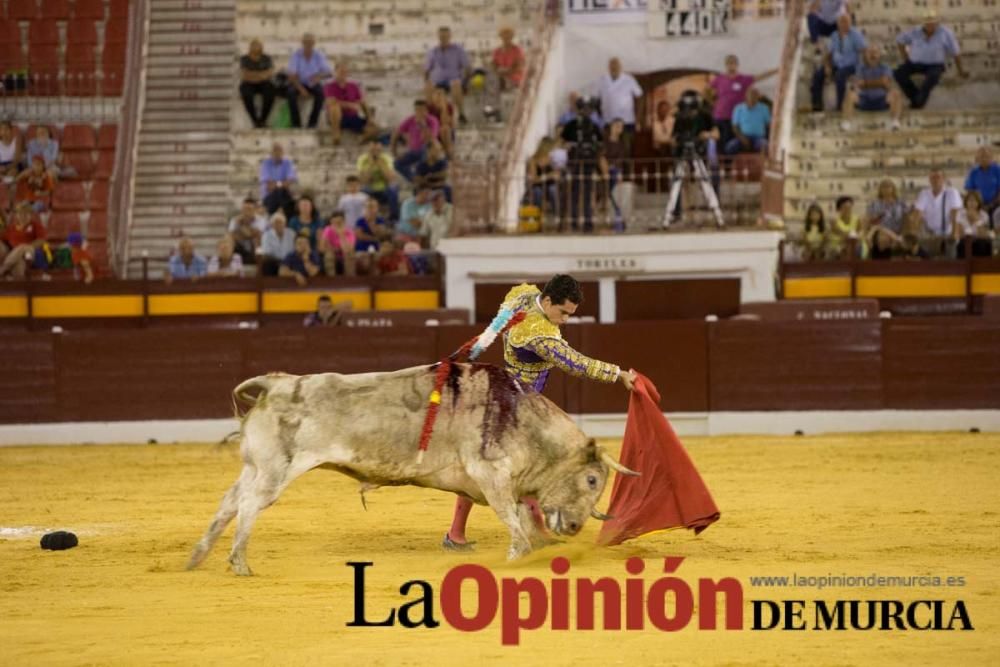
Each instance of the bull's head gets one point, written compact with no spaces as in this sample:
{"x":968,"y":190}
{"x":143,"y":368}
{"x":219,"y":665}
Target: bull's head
{"x":574,"y":486}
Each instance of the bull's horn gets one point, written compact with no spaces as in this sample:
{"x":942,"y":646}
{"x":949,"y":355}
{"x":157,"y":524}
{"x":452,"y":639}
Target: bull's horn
{"x":600,"y":516}
{"x":614,"y":465}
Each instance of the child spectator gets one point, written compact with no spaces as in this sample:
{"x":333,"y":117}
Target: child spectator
{"x":972,"y":221}
{"x":48,"y":148}
{"x":846,"y":226}
{"x":308,"y":220}
{"x":336,"y":244}
{"x":909,"y":244}
{"x":83,"y":264}
{"x":814,"y":240}
{"x":392,"y":260}
{"x":352,"y":202}
{"x":247,"y":229}
{"x":302,"y":263}
{"x":185,"y":264}
{"x":35,"y":185}
{"x":22,"y":244}
{"x":276,"y":244}
{"x":10,"y":151}
{"x":379,"y":178}
{"x":225,"y":262}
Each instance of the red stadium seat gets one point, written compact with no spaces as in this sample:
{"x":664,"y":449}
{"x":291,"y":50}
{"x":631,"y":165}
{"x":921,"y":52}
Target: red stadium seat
{"x":10,"y":32}
{"x":118,"y":9}
{"x":114,"y":55}
{"x":11,"y":57}
{"x":62,"y":223}
{"x":89,"y":9}
{"x":99,"y":254}
{"x":82,"y":162}
{"x":105,"y":165}
{"x":99,"y":196}
{"x":80,"y":83}
{"x":80,"y":57}
{"x":116,"y":32}
{"x":79,"y":137}
{"x":43,"y":31}
{"x":107,"y":137}
{"x":21,"y":10}
{"x":112,"y":81}
{"x":55,"y":9}
{"x":97,"y":225}
{"x":81,"y":31}
{"x":69,"y":196}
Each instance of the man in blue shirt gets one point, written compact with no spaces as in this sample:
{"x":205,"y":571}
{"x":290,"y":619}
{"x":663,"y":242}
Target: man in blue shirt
{"x":306,"y":71}
{"x":985,"y":179}
{"x":929,"y":47}
{"x":277,"y":175}
{"x":447,"y":67}
{"x":302,"y":263}
{"x":185,"y":264}
{"x":822,"y":17}
{"x":841,"y":61}
{"x":872,"y":90}
{"x":751,"y":120}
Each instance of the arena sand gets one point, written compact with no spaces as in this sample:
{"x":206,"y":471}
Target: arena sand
{"x":890,"y":504}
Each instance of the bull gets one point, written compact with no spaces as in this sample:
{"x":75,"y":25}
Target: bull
{"x":494,"y":442}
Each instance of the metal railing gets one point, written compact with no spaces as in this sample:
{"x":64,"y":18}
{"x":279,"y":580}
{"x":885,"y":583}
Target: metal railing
{"x":90,"y":96}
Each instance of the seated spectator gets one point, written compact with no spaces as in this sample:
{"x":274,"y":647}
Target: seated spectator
{"x":663,"y":129}
{"x":35,"y":185}
{"x":22,"y":244}
{"x":256,"y":71}
{"x":929,"y":47}
{"x":571,"y":111}
{"x":447,"y":67}
{"x":306,"y":220}
{"x":814,"y":237}
{"x":302,"y":263}
{"x":841,"y":61}
{"x":910,"y":244}
{"x":185,"y":264}
{"x":276,"y":244}
{"x":612,"y":164}
{"x":437,"y":221}
{"x":822,"y":17}
{"x":392,"y":260}
{"x":225,"y":263}
{"x":984,"y":178}
{"x":972,"y":221}
{"x":352,"y":202}
{"x":884,"y":220}
{"x":336,"y":245}
{"x":618,"y":91}
{"x":440,"y":106}
{"x":306,"y":71}
{"x":246,"y":230}
{"x":346,"y":108}
{"x":751,"y":121}
{"x":48,"y":148}
{"x":379,"y":178}
{"x":508,"y":60}
{"x":846,"y":226}
{"x":432,"y":171}
{"x":420,"y":130}
{"x":326,"y":315}
{"x":411,"y":213}
{"x":729,"y":88}
{"x":277,"y":180}
{"x":544,"y":178}
{"x":937,"y":204}
{"x":418,"y":262}
{"x":872,"y":90}
{"x":83,"y":264}
{"x":368,"y":231}
{"x":10,"y":151}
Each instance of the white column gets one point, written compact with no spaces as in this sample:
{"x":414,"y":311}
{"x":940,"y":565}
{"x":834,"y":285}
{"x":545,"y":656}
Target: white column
{"x":606,"y":297}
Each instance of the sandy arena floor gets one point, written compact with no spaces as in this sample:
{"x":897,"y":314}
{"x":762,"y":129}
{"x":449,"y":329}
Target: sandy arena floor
{"x":890,"y":504}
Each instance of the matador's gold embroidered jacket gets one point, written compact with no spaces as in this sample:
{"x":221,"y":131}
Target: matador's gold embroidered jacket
{"x":535,"y":345}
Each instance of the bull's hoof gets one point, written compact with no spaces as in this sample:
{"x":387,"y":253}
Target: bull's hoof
{"x":240,"y":568}
{"x":451,"y":545}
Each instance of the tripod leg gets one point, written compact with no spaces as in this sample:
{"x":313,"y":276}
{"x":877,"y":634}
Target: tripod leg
{"x":675,"y":192}
{"x":708,"y":191}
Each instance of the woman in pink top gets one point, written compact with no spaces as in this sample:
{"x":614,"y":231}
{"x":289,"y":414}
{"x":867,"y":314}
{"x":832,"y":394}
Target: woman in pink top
{"x":336,"y":243}
{"x":731,"y":89}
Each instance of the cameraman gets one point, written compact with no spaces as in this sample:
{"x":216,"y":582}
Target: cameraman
{"x":696,"y":135}
{"x":584,"y":138}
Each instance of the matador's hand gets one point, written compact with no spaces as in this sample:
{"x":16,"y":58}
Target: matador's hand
{"x":628,"y":379}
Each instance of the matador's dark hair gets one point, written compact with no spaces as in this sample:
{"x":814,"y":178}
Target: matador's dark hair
{"x":563,"y":288}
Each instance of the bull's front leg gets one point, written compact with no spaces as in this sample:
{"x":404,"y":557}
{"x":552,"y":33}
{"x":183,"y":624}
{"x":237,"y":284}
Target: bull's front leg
{"x":508,"y":508}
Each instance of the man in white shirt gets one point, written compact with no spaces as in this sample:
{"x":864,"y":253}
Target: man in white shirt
{"x":936,"y":204}
{"x":618,"y":91}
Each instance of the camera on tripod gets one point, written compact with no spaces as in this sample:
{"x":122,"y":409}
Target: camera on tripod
{"x":687,"y":126}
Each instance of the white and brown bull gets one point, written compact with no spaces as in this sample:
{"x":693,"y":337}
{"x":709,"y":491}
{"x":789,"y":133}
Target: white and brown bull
{"x":493,"y":442}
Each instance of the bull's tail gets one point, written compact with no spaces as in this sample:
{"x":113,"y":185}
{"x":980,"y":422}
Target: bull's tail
{"x":250,"y":393}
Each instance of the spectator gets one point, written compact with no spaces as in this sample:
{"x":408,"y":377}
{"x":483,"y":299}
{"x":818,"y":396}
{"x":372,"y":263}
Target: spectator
{"x":325,"y":315}
{"x":276,"y":244}
{"x":437,"y":221}
{"x":432,"y":171}
{"x":336,"y":245}
{"x":277,"y":178}
{"x":185,"y":264}
{"x":392,"y":260}
{"x":246,"y":230}
{"x":306,"y":70}
{"x":612,"y":164}
{"x":352,"y":202}
{"x":411,"y":213}
{"x":256,"y":71}
{"x":22,"y":244}
{"x":83,"y":264}
{"x":872,"y":90}
{"x":441,"y":108}
{"x":48,"y":148}
{"x":910,"y":242}
{"x":418,"y":263}
{"x":846,"y":226}
{"x":584,"y":139}
{"x":379,"y":178}
{"x":35,"y":185}
{"x":618,"y":92}
{"x":984,"y":178}
{"x":544,"y":178}
{"x":841,"y":61}
{"x":929,"y":47}
{"x":663,"y":129}
{"x":937,"y":205}
{"x":730,"y":89}
{"x":369,"y":229}
{"x":346,"y":107}
{"x":822,"y":18}
{"x":447,"y":67}
{"x":570,"y":113}
{"x":884,"y":220}
{"x":814,"y":239}
{"x":751,"y":121}
{"x":302,"y":263}
{"x":972,"y":221}
{"x":307,"y":220}
{"x":420,"y":130}
{"x":508,"y":60}
{"x":225,"y":262}
{"x":10,"y":151}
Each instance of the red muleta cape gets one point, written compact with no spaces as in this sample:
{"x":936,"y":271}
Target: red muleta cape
{"x":669,"y":493}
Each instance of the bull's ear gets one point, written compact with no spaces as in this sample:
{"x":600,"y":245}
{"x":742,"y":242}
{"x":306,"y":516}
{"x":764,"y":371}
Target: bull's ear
{"x":591,"y":453}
